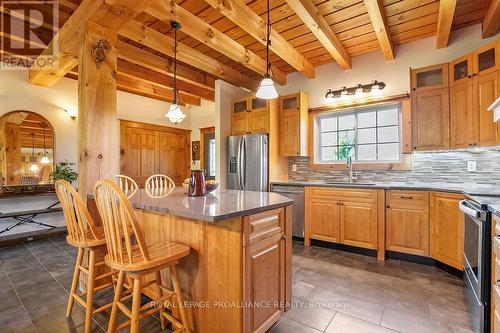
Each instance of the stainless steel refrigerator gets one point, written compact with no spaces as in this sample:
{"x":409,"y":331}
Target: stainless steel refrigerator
{"x":248,"y":157}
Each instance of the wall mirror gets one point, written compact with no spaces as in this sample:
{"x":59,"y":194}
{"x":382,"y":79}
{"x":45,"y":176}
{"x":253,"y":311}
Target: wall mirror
{"x":27,"y":149}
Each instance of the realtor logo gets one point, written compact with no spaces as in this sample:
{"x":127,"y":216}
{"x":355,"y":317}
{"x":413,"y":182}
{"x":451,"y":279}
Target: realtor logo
{"x":28,"y":27}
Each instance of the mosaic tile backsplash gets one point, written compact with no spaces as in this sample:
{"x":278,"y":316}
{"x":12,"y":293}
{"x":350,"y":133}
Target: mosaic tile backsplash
{"x":438,"y":167}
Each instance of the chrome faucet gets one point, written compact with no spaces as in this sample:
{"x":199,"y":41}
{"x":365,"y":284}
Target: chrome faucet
{"x":349,"y":168}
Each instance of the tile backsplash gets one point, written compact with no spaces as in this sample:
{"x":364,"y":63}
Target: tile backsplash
{"x":437,"y":166}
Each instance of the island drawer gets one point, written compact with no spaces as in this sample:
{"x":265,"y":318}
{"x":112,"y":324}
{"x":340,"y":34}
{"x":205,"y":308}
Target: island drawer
{"x":262,"y":225}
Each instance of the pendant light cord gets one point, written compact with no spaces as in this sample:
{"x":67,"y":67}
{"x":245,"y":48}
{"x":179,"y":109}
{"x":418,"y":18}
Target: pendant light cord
{"x":268,"y":41}
{"x":175,"y":65}
{"x":33,"y":142}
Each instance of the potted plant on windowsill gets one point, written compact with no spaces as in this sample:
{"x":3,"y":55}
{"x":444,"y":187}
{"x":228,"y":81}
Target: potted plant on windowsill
{"x":64,"y":171}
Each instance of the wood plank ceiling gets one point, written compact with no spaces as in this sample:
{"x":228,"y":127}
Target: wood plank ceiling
{"x":220,"y":42}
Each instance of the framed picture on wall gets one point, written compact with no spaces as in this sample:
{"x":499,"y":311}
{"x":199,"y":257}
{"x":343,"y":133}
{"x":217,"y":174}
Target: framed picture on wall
{"x":196,"y":150}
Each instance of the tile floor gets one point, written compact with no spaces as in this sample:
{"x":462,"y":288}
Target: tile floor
{"x":333,"y":291}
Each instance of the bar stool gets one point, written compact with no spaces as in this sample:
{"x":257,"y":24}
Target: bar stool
{"x":127,"y":185}
{"x":159,"y":181}
{"x":131,"y":256}
{"x":87,"y":237}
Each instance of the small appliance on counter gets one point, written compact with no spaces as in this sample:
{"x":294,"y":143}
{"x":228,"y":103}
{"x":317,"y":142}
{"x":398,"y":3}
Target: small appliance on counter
{"x":477,"y":263}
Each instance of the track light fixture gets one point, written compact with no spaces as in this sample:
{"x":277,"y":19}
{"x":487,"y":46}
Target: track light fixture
{"x":358,"y":91}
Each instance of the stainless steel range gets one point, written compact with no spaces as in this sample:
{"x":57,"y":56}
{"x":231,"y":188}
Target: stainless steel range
{"x":477,"y":263}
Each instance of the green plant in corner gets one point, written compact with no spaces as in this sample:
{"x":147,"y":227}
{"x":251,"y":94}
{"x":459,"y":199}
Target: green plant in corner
{"x":346,"y":146}
{"x":64,"y":171}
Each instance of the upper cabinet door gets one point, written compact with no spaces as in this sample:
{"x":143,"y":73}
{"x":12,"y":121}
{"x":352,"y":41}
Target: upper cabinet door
{"x":463,"y":120}
{"x":258,"y":104}
{"x":486,"y":91}
{"x":240,"y":106}
{"x":431,"y":119}
{"x":486,"y":59}
{"x":461,"y":69}
{"x":293,"y":119}
{"x":430,"y":77}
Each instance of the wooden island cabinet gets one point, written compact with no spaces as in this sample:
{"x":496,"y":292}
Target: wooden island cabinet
{"x":237,"y":277}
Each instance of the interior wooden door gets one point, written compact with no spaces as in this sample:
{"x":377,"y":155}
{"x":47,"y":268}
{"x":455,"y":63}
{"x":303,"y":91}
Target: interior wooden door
{"x":358,"y":224}
{"x":173,"y":159}
{"x":486,"y":91}
{"x":447,"y":229}
{"x":263,"y":282}
{"x":139,"y":158}
{"x":430,"y":119}
{"x":290,"y":132}
{"x":462,"y":115}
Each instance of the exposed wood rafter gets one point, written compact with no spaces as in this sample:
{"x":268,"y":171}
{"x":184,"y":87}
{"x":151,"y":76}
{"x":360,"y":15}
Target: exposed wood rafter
{"x":376,"y":12}
{"x":217,"y":40}
{"x":491,"y":21}
{"x":157,"y":41}
{"x":109,"y":14}
{"x":445,"y":21}
{"x":249,"y":21}
{"x":312,"y":18}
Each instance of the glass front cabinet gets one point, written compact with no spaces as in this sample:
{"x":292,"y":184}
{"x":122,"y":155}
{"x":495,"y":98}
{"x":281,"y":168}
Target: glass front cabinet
{"x":250,"y":115}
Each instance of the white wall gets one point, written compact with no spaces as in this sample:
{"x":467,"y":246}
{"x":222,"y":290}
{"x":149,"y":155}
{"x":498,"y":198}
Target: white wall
{"x":224,"y":93}
{"x":17,"y":94}
{"x":373,"y":66}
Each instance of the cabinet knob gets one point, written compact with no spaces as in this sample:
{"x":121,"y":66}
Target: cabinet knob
{"x":469,"y":76}
{"x":474,"y":74}
{"x":387,"y":206}
{"x":414,"y":147}
{"x":414,"y":89}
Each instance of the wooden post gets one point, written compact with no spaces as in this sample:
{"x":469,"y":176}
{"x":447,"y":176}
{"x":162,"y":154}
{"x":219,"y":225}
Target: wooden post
{"x":98,"y":126}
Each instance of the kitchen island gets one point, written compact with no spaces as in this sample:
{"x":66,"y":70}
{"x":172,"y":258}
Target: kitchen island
{"x":237,"y":277}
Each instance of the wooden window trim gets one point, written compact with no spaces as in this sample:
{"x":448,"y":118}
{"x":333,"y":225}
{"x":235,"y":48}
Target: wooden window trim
{"x":406,"y":162}
{"x":203,"y":131}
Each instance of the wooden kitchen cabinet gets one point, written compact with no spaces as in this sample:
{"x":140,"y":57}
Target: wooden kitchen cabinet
{"x":294,"y":124}
{"x":431,"y":119}
{"x":486,"y":91}
{"x":429,"y":78}
{"x":264,"y":268}
{"x":446,"y":225}
{"x":461,"y":69}
{"x":250,"y":115}
{"x":342,"y":215}
{"x":486,"y":59}
{"x":462,"y":114}
{"x":407,"y":222}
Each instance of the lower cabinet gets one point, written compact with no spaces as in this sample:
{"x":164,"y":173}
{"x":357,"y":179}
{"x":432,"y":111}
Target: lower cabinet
{"x":407,"y":222}
{"x":346,"y":216}
{"x":447,"y":229}
{"x":264,"y":271}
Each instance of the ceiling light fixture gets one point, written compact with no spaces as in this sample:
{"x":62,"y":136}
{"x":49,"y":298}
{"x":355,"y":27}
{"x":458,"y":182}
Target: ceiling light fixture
{"x":45,"y":159}
{"x":175,"y":114}
{"x":267,"y":89}
{"x":358,"y":91}
{"x":33,"y":167}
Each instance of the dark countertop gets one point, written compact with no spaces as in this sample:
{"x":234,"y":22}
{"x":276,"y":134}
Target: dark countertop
{"x":487,"y":195}
{"x":217,"y":206}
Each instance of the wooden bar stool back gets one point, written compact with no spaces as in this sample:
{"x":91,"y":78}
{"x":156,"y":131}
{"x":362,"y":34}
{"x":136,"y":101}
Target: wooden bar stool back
{"x":127,"y":185}
{"x":86,"y":236}
{"x":156,"y":182}
{"x":128,"y":253}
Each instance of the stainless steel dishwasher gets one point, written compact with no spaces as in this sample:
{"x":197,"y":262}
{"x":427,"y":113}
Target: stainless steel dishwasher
{"x":296,"y":193}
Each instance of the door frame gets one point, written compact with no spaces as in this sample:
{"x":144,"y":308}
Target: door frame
{"x":204,"y":131}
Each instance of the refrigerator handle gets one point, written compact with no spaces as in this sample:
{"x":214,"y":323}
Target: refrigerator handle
{"x":238,"y":163}
{"x":243,"y":163}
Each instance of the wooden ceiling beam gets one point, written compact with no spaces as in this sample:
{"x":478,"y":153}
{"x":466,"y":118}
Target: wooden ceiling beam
{"x":309,"y":14}
{"x":445,"y":21}
{"x":158,"y":64}
{"x":159,"y":42}
{"x":111,"y":14}
{"x":377,"y":15}
{"x":491,"y":21}
{"x":144,"y":74}
{"x":205,"y":33}
{"x":248,"y":20}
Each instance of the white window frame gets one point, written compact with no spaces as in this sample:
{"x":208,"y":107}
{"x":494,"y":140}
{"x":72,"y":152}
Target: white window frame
{"x":356,"y":111}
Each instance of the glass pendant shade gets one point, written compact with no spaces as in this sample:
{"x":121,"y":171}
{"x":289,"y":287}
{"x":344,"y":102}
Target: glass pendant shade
{"x":267,"y":89}
{"x":34,"y":168}
{"x":45,"y":160}
{"x":175,"y":114}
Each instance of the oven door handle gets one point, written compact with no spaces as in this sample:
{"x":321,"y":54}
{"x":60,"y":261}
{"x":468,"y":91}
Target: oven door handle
{"x":464,"y":207}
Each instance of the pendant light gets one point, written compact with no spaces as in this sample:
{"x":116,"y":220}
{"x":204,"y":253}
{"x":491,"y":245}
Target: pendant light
{"x":45,"y":159}
{"x":267,"y":89}
{"x":33,"y":167}
{"x":175,"y":114}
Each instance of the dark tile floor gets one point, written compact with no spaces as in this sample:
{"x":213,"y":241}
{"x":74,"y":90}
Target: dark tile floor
{"x":333,"y":291}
